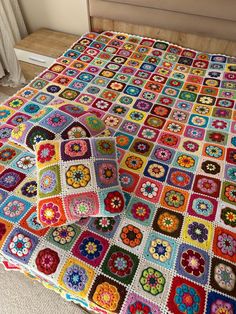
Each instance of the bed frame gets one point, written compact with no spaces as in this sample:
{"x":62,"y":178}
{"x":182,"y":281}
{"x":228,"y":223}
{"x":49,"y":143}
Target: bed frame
{"x":197,"y":26}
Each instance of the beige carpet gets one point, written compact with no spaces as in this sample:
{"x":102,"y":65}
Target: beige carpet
{"x":3,"y":97}
{"x":21,"y":295}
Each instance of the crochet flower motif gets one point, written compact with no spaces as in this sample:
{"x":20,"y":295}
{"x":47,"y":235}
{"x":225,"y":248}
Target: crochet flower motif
{"x":140,"y":211}
{"x":104,"y":224}
{"x":29,"y":189}
{"x":20,"y":245}
{"x":9,"y":179}
{"x":45,"y":153}
{"x":148,"y":134}
{"x":141,"y":147}
{"x":180,"y":178}
{"x":187,"y":299}
{"x":105,"y":147}
{"x":160,"y":250}
{"x":227,"y":244}
{"x":224,"y":277}
{"x":191,"y":146}
{"x":168,"y":222}
{"x":134,"y":162}
{"x":76,"y":148}
{"x":94,"y":123}
{"x":76,"y":132}
{"x":48,"y":181}
{"x":139,"y":307}
{"x":91,"y":248}
{"x":114,"y":202}
{"x":193,"y":262}
{"x":82,"y":207}
{"x":75,"y":278}
{"x":230,"y":193}
{"x":168,"y":139}
{"x":155,"y":170}
{"x":163,"y":154}
{"x":220,"y":306}
{"x":131,"y":236}
{"x":49,"y":213}
{"x":174,"y":198}
{"x":107,"y":296}
{"x":207,"y":185}
{"x":63,"y":234}
{"x":18,"y":131}
{"x":129,"y":127}
{"x":26,"y":162}
{"x":149,"y":189}
{"x":198,"y":232}
{"x":186,"y":161}
{"x":228,"y":215}
{"x":14,"y":208}
{"x":120,"y":264}
{"x":107,"y":173}
{"x":47,"y":261}
{"x":56,"y":120}
{"x":214,"y":151}
{"x":78,"y":176}
{"x":7,"y":154}
{"x":152,"y":281}
{"x":202,"y":206}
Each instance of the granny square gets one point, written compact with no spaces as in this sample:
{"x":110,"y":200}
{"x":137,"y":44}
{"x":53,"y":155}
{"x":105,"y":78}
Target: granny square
{"x":77,"y":178}
{"x":67,"y":122}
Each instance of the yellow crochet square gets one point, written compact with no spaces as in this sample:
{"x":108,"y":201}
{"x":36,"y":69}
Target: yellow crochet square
{"x":48,"y":148}
{"x":197,"y":232}
{"x":76,"y":277}
{"x":136,"y":116}
{"x":5,"y":113}
{"x":202,"y":109}
{"x":133,"y":162}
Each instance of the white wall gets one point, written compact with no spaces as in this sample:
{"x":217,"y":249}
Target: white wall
{"x":70,"y":16}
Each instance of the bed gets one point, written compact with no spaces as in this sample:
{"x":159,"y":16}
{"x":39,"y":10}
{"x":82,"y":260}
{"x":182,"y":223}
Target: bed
{"x":172,"y":110}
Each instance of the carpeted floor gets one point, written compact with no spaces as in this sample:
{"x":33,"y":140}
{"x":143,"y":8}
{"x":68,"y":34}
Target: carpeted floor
{"x":21,"y":295}
{"x":3,"y":97}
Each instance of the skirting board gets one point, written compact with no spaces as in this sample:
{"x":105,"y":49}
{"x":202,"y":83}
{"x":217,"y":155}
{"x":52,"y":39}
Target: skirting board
{"x":202,"y":43}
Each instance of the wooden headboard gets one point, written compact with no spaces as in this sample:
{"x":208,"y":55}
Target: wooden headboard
{"x":186,"y":22}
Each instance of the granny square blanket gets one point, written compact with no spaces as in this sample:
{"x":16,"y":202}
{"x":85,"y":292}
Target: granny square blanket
{"x":172,"y":111}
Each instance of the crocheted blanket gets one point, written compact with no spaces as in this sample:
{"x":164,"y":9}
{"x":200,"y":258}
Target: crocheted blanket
{"x":172,"y":111}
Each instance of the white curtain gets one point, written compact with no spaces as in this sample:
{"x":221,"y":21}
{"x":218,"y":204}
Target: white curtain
{"x":12,"y":30}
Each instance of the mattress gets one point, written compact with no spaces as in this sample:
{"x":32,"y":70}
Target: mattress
{"x":172,"y":110}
